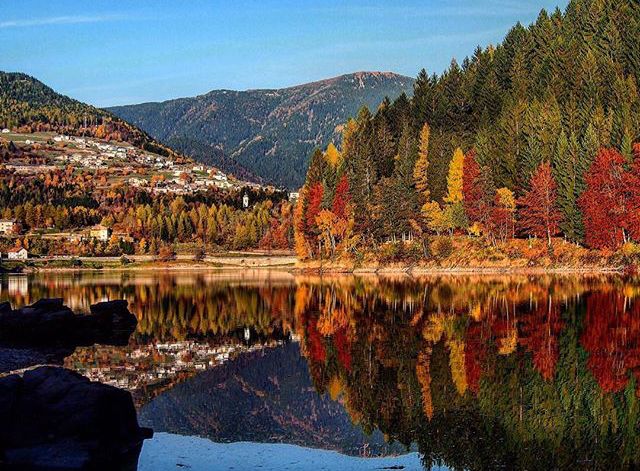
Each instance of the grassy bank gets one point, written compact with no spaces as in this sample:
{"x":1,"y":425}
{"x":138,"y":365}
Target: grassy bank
{"x":462,"y":254}
{"x":225,"y":261}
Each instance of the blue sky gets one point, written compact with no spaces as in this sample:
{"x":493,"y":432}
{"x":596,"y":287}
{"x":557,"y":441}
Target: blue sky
{"x":130,"y":51}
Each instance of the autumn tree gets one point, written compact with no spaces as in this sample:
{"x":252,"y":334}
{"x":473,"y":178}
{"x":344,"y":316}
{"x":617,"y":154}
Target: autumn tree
{"x":604,"y":204}
{"x":454,"y":214}
{"x":455,"y":178}
{"x":341,"y":198}
{"x":478,"y":191}
{"x":539,"y":215}
{"x":420,"y":174}
{"x":501,"y":220}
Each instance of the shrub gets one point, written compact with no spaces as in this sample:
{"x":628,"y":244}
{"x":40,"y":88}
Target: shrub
{"x":630,"y":249}
{"x":166,"y":253}
{"x":200,"y":254}
{"x":442,"y":247}
{"x":414,"y":251}
{"x":391,"y":252}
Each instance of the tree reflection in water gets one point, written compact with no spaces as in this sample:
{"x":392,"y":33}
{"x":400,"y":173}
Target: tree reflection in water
{"x":479,"y":372}
{"x":529,"y":373}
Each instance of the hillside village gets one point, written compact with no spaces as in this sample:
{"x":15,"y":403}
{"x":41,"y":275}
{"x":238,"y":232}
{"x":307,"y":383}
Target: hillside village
{"x":32,"y":154}
{"x":89,"y":172}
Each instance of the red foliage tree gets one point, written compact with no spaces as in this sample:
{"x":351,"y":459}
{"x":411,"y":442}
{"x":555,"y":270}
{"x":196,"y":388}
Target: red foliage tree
{"x":632,"y":195}
{"x":605,"y":202}
{"x":540,"y":332}
{"x":276,"y":235}
{"x":474,"y":192}
{"x":539,"y":215}
{"x":475,"y":353}
{"x":341,"y":198}
{"x":611,"y":337}
{"x":342,"y":344}
{"x":314,"y":204}
{"x":314,"y":341}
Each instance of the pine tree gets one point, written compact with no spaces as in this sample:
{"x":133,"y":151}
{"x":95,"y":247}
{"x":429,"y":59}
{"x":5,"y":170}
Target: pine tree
{"x":385,"y":148}
{"x":420,"y":171}
{"x":566,"y":170}
{"x":317,"y":168}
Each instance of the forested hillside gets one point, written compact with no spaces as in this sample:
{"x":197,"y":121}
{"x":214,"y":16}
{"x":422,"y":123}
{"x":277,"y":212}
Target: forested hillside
{"x":28,"y":105}
{"x":269,"y":133}
{"x":533,"y":137}
{"x":54,"y":202}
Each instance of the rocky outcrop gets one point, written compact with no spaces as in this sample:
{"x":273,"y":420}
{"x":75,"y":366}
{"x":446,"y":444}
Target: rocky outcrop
{"x":49,"y":323}
{"x":53,"y":418}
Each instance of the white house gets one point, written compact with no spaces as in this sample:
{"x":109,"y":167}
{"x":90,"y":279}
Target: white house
{"x":18,"y":254}
{"x":100,"y":232}
{"x":245,"y":201}
{"x":7,"y":226}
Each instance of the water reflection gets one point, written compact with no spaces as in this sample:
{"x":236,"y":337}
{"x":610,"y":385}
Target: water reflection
{"x":477,"y":372}
{"x":514,"y":373}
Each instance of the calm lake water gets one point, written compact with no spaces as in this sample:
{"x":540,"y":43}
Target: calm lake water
{"x":451,"y":372}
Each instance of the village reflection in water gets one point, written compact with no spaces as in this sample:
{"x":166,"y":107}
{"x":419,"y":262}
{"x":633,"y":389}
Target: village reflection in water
{"x":474,"y":372}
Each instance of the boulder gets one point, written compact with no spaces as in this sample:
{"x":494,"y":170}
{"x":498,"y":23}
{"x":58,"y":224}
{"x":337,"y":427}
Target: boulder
{"x":54,"y":418}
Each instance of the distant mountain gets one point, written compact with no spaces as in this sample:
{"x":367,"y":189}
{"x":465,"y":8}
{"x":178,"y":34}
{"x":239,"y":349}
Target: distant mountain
{"x":270,"y":133}
{"x":264,"y":396}
{"x":28,"y":105}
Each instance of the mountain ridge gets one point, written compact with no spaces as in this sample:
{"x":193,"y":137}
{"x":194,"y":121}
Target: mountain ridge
{"x":269,"y":132}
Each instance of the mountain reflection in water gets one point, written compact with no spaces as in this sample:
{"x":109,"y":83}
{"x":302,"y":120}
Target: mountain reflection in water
{"x":476,"y":372}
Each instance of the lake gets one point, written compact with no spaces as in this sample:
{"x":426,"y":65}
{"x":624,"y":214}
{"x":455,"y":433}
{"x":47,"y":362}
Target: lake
{"x":266,"y":369}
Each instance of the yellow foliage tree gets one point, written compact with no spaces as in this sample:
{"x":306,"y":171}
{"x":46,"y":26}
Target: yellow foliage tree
{"x":332,"y":155}
{"x":335,"y":388}
{"x":456,"y":362}
{"x":507,"y":345}
{"x":437,"y":219}
{"x":300,"y":243}
{"x":348,"y":133}
{"x":423,"y":373}
{"x":454,"y":178}
{"x":506,"y":199}
{"x":422,"y":163}
{"x":434,"y":328}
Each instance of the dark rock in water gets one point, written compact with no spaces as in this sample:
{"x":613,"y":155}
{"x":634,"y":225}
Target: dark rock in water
{"x":53,"y":418}
{"x":48,"y":304}
{"x":49,"y":322}
{"x":115,"y":314}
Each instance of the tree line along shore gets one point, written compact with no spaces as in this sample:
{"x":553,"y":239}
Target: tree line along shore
{"x":527,"y":154}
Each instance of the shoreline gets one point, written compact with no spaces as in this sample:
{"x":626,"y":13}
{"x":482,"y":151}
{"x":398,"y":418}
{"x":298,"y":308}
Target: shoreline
{"x":183,"y":262}
{"x":270,"y":263}
{"x":286,"y":262}
{"x":413,"y":270}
